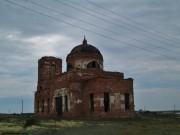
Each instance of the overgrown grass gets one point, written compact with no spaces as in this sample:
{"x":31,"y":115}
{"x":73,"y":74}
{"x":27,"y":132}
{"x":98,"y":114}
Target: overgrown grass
{"x":142,"y":125}
{"x":31,"y":121}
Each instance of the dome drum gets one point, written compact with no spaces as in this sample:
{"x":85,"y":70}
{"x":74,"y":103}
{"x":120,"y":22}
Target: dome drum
{"x":84,"y":56}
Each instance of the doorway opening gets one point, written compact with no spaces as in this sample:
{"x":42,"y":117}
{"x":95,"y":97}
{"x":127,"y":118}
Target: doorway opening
{"x":59,"y":105}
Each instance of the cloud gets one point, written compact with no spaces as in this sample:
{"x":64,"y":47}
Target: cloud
{"x":20,"y":55}
{"x":27,"y":36}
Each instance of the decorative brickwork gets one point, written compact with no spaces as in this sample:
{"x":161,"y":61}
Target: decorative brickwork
{"x":84,"y":90}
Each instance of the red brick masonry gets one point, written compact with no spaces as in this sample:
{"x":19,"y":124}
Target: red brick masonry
{"x":85,"y":90}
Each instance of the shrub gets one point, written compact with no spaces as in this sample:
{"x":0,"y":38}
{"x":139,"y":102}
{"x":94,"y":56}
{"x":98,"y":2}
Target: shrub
{"x":30,"y":122}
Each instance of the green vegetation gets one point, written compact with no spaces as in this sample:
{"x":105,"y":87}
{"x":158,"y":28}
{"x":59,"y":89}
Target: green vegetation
{"x":142,"y":125}
{"x":31,"y":121}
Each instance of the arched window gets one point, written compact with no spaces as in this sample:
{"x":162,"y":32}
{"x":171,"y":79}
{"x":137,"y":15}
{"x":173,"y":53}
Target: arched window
{"x":41,"y":65}
{"x":69,"y":67}
{"x":42,"y":105}
{"x":66,"y":103}
{"x":127,"y":101}
{"x":106,"y":101}
{"x":38,"y":106}
{"x":53,"y":70}
{"x":48,"y":106}
{"x":93,"y":64}
{"x":91,"y":98}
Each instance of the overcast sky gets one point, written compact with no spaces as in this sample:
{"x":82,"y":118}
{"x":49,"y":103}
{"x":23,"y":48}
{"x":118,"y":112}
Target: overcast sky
{"x":140,"y":38}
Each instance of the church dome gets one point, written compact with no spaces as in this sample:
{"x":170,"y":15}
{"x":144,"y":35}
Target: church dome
{"x":85,"y":48}
{"x":84,"y":56}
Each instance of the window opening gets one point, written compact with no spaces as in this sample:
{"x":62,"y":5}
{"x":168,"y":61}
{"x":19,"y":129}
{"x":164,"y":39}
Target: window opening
{"x":66,"y":103}
{"x":93,"y":64}
{"x":48,"y":106}
{"x":42,"y":105}
{"x":127,"y":105}
{"x":38,"y":106}
{"x":53,"y":70}
{"x":69,"y":67}
{"x":106,"y":101}
{"x":91,"y":97}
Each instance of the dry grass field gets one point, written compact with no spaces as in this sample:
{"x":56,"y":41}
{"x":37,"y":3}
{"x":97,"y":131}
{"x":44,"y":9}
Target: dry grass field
{"x":142,"y":125}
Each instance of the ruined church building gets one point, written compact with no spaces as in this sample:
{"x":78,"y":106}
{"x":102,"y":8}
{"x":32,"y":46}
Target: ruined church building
{"x":85,"y":89}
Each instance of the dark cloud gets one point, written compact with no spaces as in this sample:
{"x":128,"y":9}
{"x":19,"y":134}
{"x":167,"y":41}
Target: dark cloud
{"x":27,"y":36}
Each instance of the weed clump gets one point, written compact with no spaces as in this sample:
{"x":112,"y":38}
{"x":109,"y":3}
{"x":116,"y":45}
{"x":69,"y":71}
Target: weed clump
{"x":30,"y":122}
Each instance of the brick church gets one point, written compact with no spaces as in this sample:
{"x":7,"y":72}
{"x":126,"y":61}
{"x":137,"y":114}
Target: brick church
{"x":85,"y":89}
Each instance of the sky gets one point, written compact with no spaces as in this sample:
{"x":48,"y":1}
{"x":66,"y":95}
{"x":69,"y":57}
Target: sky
{"x":140,"y":38}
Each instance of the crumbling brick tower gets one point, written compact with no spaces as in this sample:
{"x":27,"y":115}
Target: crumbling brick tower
{"x":48,"y":68}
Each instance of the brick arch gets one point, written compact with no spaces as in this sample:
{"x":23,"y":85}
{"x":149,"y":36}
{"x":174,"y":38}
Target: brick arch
{"x":93,"y":64}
